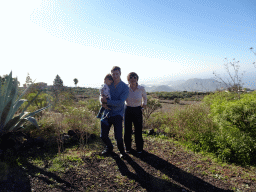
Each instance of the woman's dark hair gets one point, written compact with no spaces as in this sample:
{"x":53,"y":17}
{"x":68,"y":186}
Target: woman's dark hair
{"x":132,"y":74}
{"x":108,"y":76}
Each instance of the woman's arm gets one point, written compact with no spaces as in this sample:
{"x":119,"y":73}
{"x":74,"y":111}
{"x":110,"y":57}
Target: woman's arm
{"x":144,"y":98}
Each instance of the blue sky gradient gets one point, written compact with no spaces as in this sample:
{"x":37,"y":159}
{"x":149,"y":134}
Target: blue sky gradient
{"x":161,"y":40}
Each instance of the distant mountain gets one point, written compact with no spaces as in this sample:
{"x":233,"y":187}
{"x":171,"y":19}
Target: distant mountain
{"x":159,"y":88}
{"x":174,"y":83}
{"x":169,"y":83}
{"x":198,"y":84}
{"x":194,"y":84}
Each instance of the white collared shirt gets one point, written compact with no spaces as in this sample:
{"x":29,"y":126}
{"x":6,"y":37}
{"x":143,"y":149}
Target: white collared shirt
{"x":136,"y":98}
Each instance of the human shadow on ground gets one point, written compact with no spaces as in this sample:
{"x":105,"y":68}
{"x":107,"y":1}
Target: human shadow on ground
{"x":18,"y":179}
{"x":147,"y":181}
{"x":21,"y":170}
{"x":184,"y":178}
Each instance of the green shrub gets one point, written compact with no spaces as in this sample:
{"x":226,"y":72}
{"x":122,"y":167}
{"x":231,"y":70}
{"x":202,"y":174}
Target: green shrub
{"x":158,"y":119}
{"x":41,"y":101}
{"x":64,"y":99}
{"x":236,"y":118}
{"x":93,"y":105}
{"x":152,"y":106}
{"x":234,"y":146}
{"x":220,"y":97}
{"x":192,"y":122}
{"x":177,"y":100}
{"x":51,"y":124}
{"x":241,"y":113}
{"x":81,"y":118}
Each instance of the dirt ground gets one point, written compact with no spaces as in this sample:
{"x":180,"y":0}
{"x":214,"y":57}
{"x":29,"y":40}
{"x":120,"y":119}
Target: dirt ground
{"x":165,"y":166}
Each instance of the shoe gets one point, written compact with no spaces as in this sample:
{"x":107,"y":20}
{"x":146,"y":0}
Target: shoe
{"x":123,"y":155}
{"x":128,"y":150}
{"x":106,"y":152}
{"x":140,"y":154}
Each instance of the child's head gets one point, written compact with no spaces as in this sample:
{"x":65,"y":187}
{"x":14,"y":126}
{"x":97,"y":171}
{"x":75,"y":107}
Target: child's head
{"x":108,"y":79}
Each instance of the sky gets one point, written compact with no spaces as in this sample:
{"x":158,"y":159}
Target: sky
{"x":159,"y":40}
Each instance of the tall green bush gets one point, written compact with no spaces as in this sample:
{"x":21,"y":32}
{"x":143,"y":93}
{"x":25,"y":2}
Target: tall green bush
{"x":240,"y":113}
{"x":93,"y":105}
{"x":190,"y":124}
{"x":236,"y":118}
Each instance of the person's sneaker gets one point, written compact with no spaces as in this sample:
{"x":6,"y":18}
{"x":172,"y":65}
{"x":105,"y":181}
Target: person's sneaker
{"x":123,"y":155}
{"x":128,"y":150}
{"x":140,"y":154}
{"x":106,"y":152}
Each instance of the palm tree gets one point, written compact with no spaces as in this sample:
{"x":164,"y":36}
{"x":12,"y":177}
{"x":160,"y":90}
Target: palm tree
{"x":75,"y":81}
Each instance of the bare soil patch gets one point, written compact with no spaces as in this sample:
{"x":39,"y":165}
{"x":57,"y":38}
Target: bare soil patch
{"x":165,"y":166}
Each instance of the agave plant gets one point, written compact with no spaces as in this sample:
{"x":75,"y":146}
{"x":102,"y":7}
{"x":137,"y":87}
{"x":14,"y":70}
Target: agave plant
{"x":10,"y":103}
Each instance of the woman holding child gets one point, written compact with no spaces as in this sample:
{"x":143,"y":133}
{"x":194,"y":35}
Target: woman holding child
{"x":135,"y":102}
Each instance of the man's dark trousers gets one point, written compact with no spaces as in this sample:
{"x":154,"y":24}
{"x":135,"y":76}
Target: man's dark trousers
{"x":116,"y":121}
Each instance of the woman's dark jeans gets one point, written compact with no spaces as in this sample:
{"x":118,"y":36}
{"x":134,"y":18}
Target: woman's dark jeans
{"x":133,"y":115}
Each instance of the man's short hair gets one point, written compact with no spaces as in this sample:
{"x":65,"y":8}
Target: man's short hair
{"x":116,"y":68}
{"x":132,"y":74}
{"x":108,"y":76}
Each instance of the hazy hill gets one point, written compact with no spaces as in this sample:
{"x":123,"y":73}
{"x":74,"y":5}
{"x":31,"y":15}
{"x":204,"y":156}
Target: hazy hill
{"x":159,"y":88}
{"x":194,"y":84}
{"x":198,"y":84}
{"x":169,"y":83}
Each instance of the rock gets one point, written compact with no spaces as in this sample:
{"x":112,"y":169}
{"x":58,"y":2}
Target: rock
{"x":71,"y":133}
{"x":65,"y":138}
{"x":13,"y":140}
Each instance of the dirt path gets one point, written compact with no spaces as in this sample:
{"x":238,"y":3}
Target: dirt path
{"x":165,"y":167}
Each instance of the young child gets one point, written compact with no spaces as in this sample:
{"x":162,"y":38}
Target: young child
{"x":108,"y":80}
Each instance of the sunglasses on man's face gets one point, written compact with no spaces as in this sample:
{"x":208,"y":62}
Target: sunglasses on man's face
{"x":133,"y":77}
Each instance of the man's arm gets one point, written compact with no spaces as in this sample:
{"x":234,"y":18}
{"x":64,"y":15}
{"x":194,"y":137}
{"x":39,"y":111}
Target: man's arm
{"x":122,"y":99}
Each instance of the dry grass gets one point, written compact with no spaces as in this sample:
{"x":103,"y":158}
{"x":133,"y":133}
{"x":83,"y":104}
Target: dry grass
{"x":170,"y":106}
